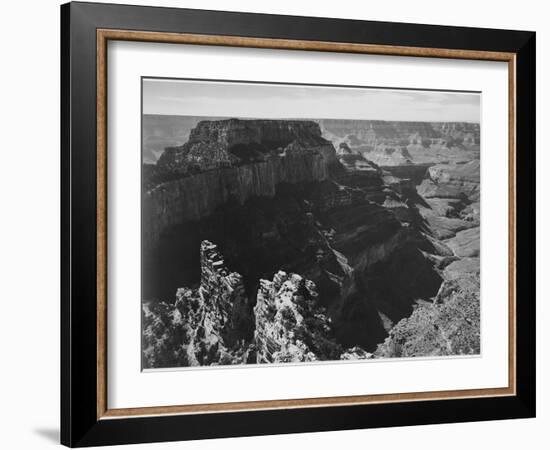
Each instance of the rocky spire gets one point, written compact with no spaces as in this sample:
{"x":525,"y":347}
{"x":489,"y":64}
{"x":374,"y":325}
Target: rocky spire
{"x":290,"y":326}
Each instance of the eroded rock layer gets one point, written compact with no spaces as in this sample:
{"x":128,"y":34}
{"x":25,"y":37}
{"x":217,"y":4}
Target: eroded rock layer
{"x":202,"y":326}
{"x":392,"y":143}
{"x":332,"y":256}
{"x":290,"y":324}
{"x":230,"y":160}
{"x":450,"y":325}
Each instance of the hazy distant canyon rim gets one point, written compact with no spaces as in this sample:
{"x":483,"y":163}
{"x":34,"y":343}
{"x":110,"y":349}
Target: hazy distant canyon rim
{"x":271,"y":241}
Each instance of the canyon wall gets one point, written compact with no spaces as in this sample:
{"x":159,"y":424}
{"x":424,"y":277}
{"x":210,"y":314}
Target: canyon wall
{"x":202,"y":326}
{"x":376,"y":131}
{"x":396,"y":143}
{"x":231,"y":161}
{"x":332,"y":256}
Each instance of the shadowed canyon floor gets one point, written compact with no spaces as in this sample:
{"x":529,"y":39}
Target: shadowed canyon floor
{"x":271,"y":241}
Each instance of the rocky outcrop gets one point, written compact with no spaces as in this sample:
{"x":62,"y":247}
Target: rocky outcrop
{"x":329,"y":252}
{"x":202,"y":326}
{"x":392,"y":143}
{"x":355,"y":353}
{"x":231,"y":161}
{"x":161,"y":131}
{"x":451,"y":194}
{"x":422,"y":140}
{"x":354,"y":235}
{"x":461,"y":267}
{"x":454,"y":181}
{"x":451,"y":211}
{"x":465,"y":243}
{"x":416,"y":173}
{"x":376,"y":131}
{"x":448,"y":326}
{"x":388,"y":155}
{"x":461,"y":132}
{"x":372,"y":132}
{"x":233,"y":142}
{"x":290,"y":324}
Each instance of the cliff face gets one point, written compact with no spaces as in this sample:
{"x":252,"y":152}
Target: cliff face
{"x":328,"y":251}
{"x":202,"y":326}
{"x":372,"y":131}
{"x":451,"y":193}
{"x":448,"y":326}
{"x":233,"y":142}
{"x":452,"y":211}
{"x":389,"y":143}
{"x":161,"y":131}
{"x":290,"y":325}
{"x":401,"y":132}
{"x":351,"y":236}
{"x":452,"y":181}
{"x":231,"y":160}
{"x":269,"y":134}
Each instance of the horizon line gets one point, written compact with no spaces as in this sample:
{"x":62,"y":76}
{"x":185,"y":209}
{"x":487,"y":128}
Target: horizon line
{"x":307,"y":118}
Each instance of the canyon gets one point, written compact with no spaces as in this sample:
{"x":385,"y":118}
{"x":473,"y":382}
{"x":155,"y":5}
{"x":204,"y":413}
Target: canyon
{"x":277,"y":241}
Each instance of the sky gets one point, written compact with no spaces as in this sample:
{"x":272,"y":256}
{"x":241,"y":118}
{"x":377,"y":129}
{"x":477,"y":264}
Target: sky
{"x":280,"y":101}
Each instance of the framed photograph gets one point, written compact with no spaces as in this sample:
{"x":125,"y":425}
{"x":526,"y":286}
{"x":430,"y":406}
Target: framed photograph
{"x":276,"y":224}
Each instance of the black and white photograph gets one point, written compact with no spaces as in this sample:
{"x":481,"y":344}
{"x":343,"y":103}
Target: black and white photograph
{"x":302,"y":223}
{"x":275,"y":225}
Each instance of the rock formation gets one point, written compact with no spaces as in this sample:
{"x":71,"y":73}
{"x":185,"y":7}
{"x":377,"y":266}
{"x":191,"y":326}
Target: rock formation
{"x":390,"y":143}
{"x":202,"y":326}
{"x":230,"y":160}
{"x":452,"y":181}
{"x":448,"y":326}
{"x":452,"y":208}
{"x":332,"y":256}
{"x":290,"y":324}
{"x":161,"y":131}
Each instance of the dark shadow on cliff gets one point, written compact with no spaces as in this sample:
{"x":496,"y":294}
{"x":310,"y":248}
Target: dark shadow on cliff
{"x":289,"y":232}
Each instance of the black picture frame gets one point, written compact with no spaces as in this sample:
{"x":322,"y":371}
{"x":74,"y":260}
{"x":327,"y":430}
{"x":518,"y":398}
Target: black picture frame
{"x":80,"y":425}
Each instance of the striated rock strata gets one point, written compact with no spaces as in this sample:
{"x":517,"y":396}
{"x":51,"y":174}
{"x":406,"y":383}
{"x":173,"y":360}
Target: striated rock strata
{"x":230,"y":160}
{"x":332,"y":256}
{"x":451,"y":193}
{"x":395,"y":143}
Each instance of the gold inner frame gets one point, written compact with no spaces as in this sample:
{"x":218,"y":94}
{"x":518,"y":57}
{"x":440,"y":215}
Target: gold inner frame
{"x":103,"y":36}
